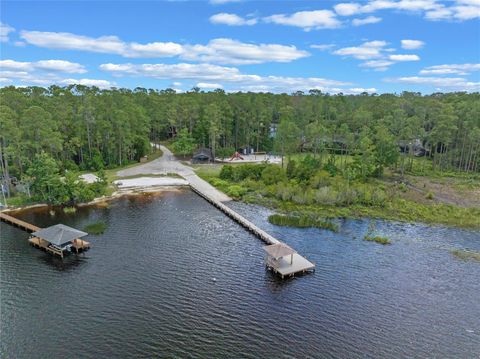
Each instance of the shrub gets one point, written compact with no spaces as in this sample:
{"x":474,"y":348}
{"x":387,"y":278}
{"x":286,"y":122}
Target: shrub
{"x":273,"y":174}
{"x":326,"y":195}
{"x":226,"y":173}
{"x":236,"y":191}
{"x":430,"y":195}
{"x":291,"y":168}
{"x":321,"y":179}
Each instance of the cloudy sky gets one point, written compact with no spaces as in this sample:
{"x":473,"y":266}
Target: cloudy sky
{"x":272,"y":45}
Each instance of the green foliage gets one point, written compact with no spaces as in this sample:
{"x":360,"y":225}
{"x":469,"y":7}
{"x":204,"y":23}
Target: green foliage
{"x":184,"y":143}
{"x":50,"y":186}
{"x":95,"y":228}
{"x":331,"y":167}
{"x":273,"y":174}
{"x":429,"y":195}
{"x":236,"y":191}
{"x":302,"y":221}
{"x":227,"y":172}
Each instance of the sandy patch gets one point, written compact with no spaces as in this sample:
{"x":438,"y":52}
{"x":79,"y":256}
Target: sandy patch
{"x":143,"y":182}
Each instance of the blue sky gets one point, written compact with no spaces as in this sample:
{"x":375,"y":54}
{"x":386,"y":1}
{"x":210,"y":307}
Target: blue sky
{"x":279,"y":46}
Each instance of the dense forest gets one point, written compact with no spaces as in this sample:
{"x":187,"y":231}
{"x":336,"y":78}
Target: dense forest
{"x":86,"y":128}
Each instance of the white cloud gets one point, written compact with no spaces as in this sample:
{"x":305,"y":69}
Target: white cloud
{"x":358,"y":90}
{"x":347,"y":9}
{"x":103,"y":44}
{"x":366,"y":21}
{"x":5,"y":30}
{"x":402,"y":58}
{"x":208,"y":86}
{"x":308,"y":20}
{"x":223,"y":51}
{"x":213,"y":74}
{"x":458,"y":69}
{"x":377,"y":65}
{"x":87,"y":82}
{"x":46,"y":65}
{"x":31,"y":77}
{"x":231,"y":20}
{"x":323,"y":47}
{"x":448,"y":83}
{"x":412,"y":44}
{"x":459,"y":10}
{"x":367,"y":50}
{"x":228,"y":51}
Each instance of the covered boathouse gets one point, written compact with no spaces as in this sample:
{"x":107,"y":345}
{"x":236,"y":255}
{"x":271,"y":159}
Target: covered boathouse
{"x":285,"y":260}
{"x":59,"y":240}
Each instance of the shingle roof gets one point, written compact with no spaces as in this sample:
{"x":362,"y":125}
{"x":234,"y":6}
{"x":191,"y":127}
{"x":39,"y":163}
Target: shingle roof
{"x":59,"y":234}
{"x":279,"y":250}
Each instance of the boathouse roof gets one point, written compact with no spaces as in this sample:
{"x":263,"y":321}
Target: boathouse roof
{"x":279,"y":250}
{"x":59,"y":234}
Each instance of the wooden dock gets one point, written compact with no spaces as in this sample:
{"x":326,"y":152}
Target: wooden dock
{"x":298,"y":264}
{"x":18,"y":223}
{"x":79,"y":245}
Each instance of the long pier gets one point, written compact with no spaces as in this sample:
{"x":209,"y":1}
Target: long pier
{"x":28,"y":227}
{"x":296,"y":264}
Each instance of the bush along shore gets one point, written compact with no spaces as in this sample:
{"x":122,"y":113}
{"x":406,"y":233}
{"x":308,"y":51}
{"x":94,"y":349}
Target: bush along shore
{"x":312,"y":189}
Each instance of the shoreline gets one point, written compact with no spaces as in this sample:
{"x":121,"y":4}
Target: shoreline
{"x":104,"y":199}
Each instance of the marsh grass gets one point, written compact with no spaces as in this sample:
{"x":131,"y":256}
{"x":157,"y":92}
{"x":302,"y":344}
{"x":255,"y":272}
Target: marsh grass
{"x":377,"y":239}
{"x":466,"y":255}
{"x":69,"y":210}
{"x":95,"y":228}
{"x":302,"y":221}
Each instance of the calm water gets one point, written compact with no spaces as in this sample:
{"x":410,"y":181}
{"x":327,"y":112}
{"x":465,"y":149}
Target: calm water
{"x":146,"y":289}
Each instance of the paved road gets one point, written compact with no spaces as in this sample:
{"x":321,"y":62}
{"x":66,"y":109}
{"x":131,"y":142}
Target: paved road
{"x":169,"y":164}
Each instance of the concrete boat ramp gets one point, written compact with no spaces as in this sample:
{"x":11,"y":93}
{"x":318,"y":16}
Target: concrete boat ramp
{"x":280,"y":258}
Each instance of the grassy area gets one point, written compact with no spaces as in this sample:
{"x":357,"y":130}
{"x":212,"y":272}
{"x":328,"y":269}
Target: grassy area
{"x":95,"y":228}
{"x":20,"y":200}
{"x":466,"y":254}
{"x":377,"y":239}
{"x":324,"y":196}
{"x":302,"y":221}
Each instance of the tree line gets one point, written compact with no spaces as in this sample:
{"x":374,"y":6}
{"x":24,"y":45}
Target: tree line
{"x":87,"y":128}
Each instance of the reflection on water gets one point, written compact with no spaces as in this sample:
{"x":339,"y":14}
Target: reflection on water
{"x":147,"y":288}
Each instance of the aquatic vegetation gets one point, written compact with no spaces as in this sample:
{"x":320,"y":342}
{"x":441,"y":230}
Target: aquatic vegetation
{"x":466,"y":255}
{"x":69,"y":210}
{"x":95,"y":228}
{"x":302,"y":221}
{"x":377,"y":239}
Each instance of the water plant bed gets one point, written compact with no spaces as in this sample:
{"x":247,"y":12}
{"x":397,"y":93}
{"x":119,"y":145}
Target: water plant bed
{"x":95,"y":228}
{"x":466,"y":254}
{"x":377,"y":239}
{"x":301,"y":221}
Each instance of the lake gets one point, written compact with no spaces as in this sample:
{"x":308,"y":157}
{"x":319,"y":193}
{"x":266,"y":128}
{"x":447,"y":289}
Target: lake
{"x":174,"y":277}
